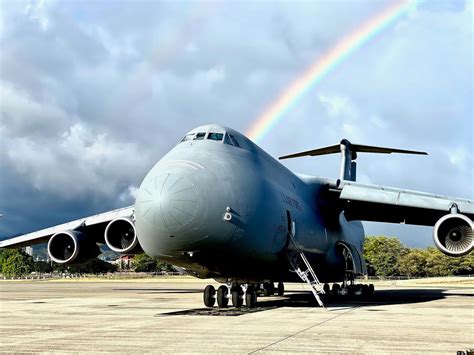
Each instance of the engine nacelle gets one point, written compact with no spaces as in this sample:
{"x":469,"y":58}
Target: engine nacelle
{"x":121,"y":236}
{"x":453,"y":234}
{"x":69,"y":247}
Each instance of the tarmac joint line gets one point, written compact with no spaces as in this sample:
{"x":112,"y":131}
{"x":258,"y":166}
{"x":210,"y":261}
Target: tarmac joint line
{"x":303,"y":330}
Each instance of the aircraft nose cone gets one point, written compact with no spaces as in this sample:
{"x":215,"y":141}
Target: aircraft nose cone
{"x":168,"y":202}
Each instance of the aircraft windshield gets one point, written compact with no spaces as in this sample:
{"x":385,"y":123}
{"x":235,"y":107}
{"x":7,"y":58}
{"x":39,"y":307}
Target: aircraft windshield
{"x":188,"y":137}
{"x":215,"y":136}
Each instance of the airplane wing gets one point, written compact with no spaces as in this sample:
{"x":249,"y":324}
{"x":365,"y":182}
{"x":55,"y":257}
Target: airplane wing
{"x":94,"y":225}
{"x":385,"y":204}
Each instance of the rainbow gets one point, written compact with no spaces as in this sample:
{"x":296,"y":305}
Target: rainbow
{"x":323,"y":65}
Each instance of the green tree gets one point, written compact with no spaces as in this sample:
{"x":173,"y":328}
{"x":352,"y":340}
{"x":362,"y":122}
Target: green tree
{"x":382,"y":255}
{"x":437,"y":263}
{"x":4,"y":255}
{"x":42,"y":267}
{"x":16,"y":263}
{"x":413,"y":263}
{"x":463,"y":265}
{"x":95,"y":266}
{"x":144,"y":263}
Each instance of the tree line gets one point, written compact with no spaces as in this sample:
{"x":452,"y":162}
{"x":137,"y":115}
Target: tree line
{"x":384,"y":256}
{"x":387,"y":256}
{"x":16,"y":263}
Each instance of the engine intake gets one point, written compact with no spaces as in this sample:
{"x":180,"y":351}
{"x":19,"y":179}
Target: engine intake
{"x":453,"y":234}
{"x":121,"y":236}
{"x":72,"y":247}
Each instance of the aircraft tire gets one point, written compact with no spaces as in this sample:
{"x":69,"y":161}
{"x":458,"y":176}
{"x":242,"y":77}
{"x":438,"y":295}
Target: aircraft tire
{"x":281,"y":289}
{"x":222,"y":299}
{"x":251,"y":297}
{"x":237,"y":299}
{"x":335,"y":289}
{"x":371,"y":290}
{"x":209,"y":296}
{"x":326,"y":289}
{"x":365,"y":291}
{"x":269,"y":289}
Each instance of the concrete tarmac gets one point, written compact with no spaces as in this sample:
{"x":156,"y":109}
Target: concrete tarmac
{"x":168,"y":316}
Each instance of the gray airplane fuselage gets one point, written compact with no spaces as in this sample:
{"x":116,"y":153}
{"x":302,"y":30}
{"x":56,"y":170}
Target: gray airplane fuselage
{"x":223,"y":211}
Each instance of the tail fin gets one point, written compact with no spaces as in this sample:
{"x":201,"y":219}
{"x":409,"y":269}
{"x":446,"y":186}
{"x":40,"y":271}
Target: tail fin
{"x":349,"y":155}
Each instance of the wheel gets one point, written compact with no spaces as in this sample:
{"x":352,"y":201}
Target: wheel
{"x":269,"y":289}
{"x":281,"y":289}
{"x":371,"y":290}
{"x":237,"y":299}
{"x":326,"y":289}
{"x":251,"y":297}
{"x":335,"y":289}
{"x":209,"y":296}
{"x":358,"y":289}
{"x":222,"y":299}
{"x":365,"y":290}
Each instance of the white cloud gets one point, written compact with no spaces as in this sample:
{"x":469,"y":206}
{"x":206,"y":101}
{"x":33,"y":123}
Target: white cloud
{"x":24,"y":115}
{"x":458,"y":155}
{"x":79,"y":162}
{"x":337,"y":106}
{"x":207,"y":79}
{"x":38,"y":11}
{"x":129,"y":195}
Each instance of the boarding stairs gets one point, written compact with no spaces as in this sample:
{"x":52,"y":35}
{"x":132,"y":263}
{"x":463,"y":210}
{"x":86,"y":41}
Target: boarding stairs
{"x":307,"y":275}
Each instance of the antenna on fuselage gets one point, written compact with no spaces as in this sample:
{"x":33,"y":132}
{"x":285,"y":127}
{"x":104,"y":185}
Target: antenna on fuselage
{"x":348,"y":170}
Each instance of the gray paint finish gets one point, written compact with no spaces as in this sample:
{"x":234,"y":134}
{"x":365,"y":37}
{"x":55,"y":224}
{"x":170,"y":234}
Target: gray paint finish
{"x":220,"y":208}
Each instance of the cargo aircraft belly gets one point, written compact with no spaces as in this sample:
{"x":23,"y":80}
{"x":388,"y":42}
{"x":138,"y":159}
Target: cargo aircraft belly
{"x":219,"y":206}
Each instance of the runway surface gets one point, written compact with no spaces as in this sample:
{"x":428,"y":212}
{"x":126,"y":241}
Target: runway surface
{"x":167,"y":316}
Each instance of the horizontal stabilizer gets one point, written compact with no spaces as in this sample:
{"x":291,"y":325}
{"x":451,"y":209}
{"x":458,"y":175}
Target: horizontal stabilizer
{"x":353,"y":148}
{"x":349,"y":155}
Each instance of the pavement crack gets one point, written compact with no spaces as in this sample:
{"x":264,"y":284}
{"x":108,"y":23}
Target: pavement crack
{"x":303,"y":330}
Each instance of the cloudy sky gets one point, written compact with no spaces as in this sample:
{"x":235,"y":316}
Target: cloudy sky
{"x":93,"y":93}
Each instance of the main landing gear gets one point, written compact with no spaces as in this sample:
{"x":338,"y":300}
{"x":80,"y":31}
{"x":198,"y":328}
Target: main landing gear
{"x":349,"y":289}
{"x":238,"y":293}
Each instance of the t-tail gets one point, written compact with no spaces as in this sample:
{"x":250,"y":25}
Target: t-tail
{"x":349,"y":152}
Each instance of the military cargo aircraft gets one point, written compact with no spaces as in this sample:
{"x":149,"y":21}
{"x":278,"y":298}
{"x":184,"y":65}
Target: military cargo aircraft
{"x":220,"y":207}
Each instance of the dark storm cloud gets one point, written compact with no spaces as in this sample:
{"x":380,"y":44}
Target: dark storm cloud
{"x":93,"y":94}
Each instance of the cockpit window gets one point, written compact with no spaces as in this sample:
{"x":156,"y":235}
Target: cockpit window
{"x":215,"y":136}
{"x":230,"y":140}
{"x":187,"y":137}
{"x":199,"y":136}
{"x":233,"y":140}
{"x":227,"y":140}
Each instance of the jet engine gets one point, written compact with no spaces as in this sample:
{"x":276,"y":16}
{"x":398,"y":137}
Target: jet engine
{"x":72,"y":247}
{"x":121,"y":236}
{"x":453,"y":234}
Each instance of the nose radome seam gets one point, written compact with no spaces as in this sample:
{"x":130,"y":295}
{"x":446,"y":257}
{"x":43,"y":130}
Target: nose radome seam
{"x":169,"y":201}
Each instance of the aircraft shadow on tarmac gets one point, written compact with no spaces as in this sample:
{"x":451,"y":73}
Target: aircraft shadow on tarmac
{"x":304,"y":299}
